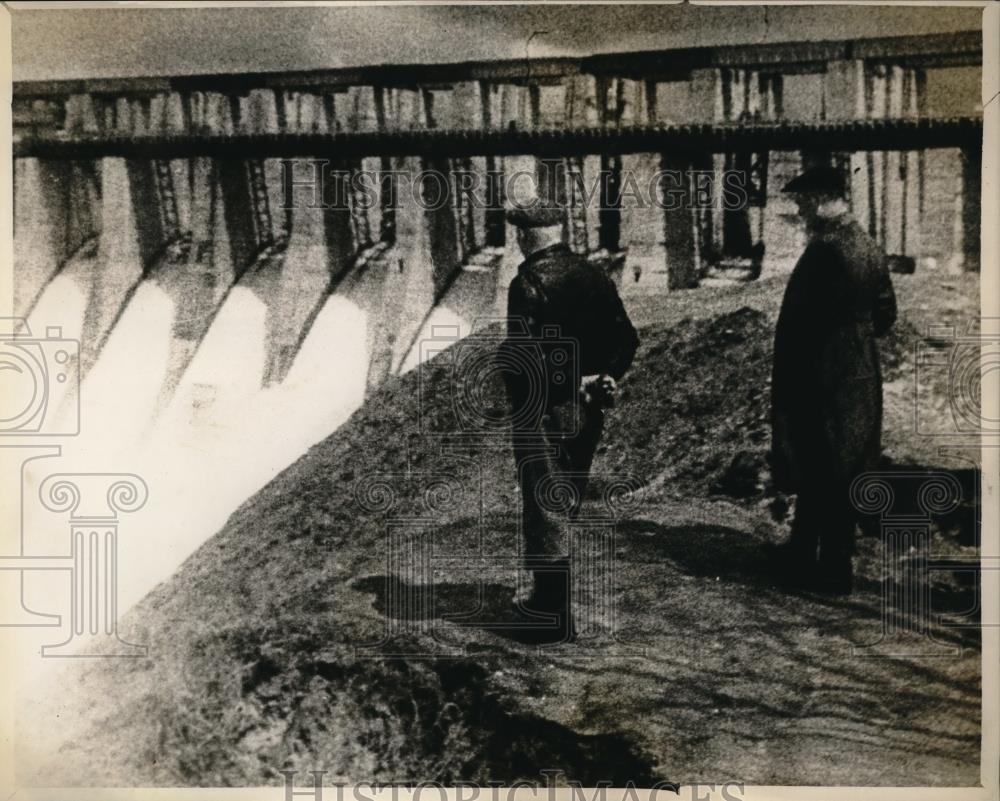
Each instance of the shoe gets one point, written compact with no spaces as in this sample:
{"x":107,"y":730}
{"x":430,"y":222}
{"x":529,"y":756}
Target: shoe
{"x":549,"y":596}
{"x":530,"y":635}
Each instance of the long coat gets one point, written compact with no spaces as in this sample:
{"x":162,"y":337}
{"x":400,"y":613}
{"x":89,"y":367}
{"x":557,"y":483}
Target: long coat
{"x":558,"y":290}
{"x":826,"y":390}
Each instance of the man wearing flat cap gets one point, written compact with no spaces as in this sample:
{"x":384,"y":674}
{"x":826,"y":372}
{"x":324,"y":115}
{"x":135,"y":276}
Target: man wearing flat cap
{"x":569,"y":341}
{"x":826,"y":390}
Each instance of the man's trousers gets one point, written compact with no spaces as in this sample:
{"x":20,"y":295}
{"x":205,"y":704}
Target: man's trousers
{"x":553,"y":467}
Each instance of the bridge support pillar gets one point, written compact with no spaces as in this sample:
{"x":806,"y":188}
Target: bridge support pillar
{"x":520,"y":183}
{"x":643,"y":224}
{"x":357,"y":112}
{"x":320,"y":248}
{"x":409,"y":288}
{"x":513,"y":110}
{"x":469,"y":173}
{"x":258,"y":113}
{"x":424,"y":257}
{"x":584,"y":172}
{"x":971,"y":198}
{"x":884,"y":186}
{"x":42,"y":209}
{"x":845,"y":98}
{"x":642,"y":221}
{"x":705,"y":106}
{"x":889,"y":80}
{"x":81,"y":114}
{"x":680,"y":240}
{"x":132,"y":236}
{"x":216,"y":212}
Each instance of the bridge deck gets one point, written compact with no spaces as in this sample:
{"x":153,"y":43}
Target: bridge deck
{"x":849,"y":135}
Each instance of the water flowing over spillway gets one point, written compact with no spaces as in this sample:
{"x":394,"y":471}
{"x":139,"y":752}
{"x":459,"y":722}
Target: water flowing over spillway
{"x":224,"y":431}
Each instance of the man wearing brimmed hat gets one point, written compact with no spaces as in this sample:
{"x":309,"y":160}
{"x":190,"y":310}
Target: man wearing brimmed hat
{"x":826,"y":390}
{"x":566,"y":319}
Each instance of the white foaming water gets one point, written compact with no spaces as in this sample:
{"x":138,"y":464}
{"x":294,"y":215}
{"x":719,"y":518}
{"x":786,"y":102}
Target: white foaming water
{"x":221,"y":438}
{"x":120,"y":392}
{"x":63,"y":303}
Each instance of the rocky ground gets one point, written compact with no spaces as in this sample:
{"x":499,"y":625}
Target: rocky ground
{"x":302,"y":637}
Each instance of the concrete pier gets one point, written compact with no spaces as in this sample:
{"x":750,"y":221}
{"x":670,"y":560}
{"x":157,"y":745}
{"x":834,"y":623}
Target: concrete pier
{"x":512,"y":109}
{"x":680,"y":233}
{"x":585,"y":171}
{"x":411,"y":273}
{"x":319,"y":252}
{"x":132,"y":237}
{"x":885,"y":186}
{"x":41,"y":222}
{"x":642,"y":220}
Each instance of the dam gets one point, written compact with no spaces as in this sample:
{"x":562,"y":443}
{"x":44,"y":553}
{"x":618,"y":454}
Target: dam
{"x":223,"y":331}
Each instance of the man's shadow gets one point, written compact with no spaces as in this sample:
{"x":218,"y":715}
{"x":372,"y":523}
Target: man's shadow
{"x":715,"y":552}
{"x":488,"y":606}
{"x":469,"y":604}
{"x":700,"y":549}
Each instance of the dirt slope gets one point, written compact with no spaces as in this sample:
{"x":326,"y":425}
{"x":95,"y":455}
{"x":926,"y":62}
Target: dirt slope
{"x":257,"y":645}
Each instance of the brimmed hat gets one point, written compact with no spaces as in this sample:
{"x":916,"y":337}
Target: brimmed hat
{"x":817,"y":180}
{"x":536,"y":214}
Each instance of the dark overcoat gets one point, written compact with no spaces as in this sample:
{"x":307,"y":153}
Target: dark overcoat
{"x":557,"y":290}
{"x":826,"y":390}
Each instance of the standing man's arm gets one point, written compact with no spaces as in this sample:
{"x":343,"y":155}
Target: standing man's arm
{"x":522,"y":308}
{"x":616,"y":339}
{"x":626,"y":338}
{"x":622,"y":338}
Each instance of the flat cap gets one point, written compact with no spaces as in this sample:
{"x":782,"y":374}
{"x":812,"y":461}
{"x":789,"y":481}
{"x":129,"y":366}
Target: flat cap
{"x":536,"y":214}
{"x":817,"y":180}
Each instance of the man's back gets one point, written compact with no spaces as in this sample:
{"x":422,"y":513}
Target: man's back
{"x":839,"y":287}
{"x":556,"y":287}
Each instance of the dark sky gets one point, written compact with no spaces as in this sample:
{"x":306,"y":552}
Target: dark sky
{"x":117,"y":42}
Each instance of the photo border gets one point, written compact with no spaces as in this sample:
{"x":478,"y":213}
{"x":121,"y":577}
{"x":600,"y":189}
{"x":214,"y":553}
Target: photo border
{"x":990,"y":308}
